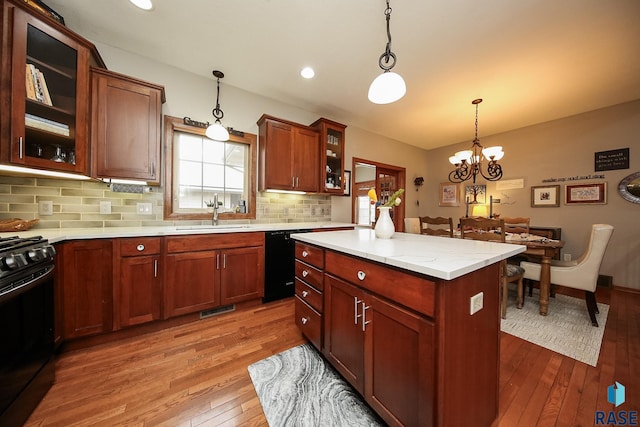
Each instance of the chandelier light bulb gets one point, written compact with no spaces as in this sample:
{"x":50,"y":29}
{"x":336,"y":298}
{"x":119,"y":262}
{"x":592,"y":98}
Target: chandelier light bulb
{"x":388,"y":87}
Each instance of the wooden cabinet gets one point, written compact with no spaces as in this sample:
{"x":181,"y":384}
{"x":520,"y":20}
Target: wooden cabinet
{"x":331,"y":155}
{"x":288,"y":155}
{"x":86,"y":286}
{"x":206,"y":271}
{"x":406,"y":341}
{"x":45,"y":88}
{"x":126,"y":118}
{"x":309,"y":286}
{"x":138,"y":283}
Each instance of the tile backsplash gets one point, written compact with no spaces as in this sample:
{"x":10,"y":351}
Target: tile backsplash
{"x":76,"y":204}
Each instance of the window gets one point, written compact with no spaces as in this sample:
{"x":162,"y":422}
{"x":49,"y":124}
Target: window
{"x":197,"y":168}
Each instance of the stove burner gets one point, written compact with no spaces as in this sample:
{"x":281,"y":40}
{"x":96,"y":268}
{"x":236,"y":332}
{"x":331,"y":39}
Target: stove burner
{"x":23,"y":257}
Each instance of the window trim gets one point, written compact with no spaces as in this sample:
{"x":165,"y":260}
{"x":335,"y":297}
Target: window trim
{"x":172,"y":124}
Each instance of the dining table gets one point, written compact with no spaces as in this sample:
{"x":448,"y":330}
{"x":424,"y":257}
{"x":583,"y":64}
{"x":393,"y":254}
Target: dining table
{"x":545,"y":249}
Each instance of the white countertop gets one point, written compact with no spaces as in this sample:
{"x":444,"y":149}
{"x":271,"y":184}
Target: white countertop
{"x":56,"y":235}
{"x":440,"y":257}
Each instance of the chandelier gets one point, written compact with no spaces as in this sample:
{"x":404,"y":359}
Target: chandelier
{"x":388,"y":87}
{"x":469,"y":163}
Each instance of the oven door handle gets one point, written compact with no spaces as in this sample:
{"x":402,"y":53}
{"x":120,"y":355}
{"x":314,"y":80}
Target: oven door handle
{"x":34,"y":279}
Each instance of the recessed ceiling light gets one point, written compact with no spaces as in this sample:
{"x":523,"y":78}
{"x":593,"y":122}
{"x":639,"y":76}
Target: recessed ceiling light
{"x":307,"y":73}
{"x":142,"y":4}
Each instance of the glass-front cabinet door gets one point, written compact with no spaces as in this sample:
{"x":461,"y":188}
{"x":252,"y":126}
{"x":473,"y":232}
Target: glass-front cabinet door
{"x":331,"y":155}
{"x":50,"y":97}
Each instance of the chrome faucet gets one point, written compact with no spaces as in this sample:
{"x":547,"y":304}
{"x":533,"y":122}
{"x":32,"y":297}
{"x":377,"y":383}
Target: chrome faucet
{"x":214,"y":220}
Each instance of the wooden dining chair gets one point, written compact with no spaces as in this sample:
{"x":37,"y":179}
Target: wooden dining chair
{"x":517,"y":225}
{"x":492,"y":230}
{"x":427,"y":224}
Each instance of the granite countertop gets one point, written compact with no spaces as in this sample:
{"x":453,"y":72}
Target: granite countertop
{"x":56,"y":235}
{"x":441,"y":257}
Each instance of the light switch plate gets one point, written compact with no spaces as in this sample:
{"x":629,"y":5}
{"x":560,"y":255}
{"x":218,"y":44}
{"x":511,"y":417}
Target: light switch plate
{"x":476,"y":303}
{"x":45,"y":207}
{"x":144,"y":209}
{"x":105,"y":207}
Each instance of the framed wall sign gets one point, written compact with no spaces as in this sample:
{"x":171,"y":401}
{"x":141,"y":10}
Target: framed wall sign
{"x":545,"y":196}
{"x":449,"y":194}
{"x":589,"y":194}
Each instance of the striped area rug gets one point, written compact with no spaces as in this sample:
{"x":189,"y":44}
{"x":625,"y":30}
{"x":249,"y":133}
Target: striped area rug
{"x":298,"y":388}
{"x":566,"y":329}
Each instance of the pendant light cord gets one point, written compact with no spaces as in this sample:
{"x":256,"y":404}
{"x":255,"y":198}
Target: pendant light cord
{"x":388,"y":55}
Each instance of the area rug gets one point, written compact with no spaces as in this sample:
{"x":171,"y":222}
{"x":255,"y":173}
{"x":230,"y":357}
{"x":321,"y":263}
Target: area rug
{"x":566,"y":329}
{"x":299,"y":388}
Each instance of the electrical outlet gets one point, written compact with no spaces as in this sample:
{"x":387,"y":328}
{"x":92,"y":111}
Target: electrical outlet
{"x":566,"y":257}
{"x":476,"y":303}
{"x":45,"y":207}
{"x":144,"y":209}
{"x":105,"y":208}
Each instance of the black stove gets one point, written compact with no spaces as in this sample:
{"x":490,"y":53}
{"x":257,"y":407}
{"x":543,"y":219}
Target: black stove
{"x":27,"y":370}
{"x":23,"y":259}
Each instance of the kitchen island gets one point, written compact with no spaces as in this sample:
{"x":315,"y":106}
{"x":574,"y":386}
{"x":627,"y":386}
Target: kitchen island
{"x":411,"y":322}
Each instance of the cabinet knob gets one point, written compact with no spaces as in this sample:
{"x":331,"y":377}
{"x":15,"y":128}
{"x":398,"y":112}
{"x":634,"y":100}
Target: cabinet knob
{"x":304,"y":294}
{"x":305,"y":273}
{"x":305,"y":254}
{"x":361,"y":275}
{"x":304,"y":320}
{"x":140,"y":248}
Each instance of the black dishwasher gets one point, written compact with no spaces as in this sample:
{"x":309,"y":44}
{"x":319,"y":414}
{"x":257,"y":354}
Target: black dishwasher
{"x":279,"y":264}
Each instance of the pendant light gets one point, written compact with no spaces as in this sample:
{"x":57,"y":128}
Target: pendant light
{"x":388,"y":87}
{"x":216,"y":130}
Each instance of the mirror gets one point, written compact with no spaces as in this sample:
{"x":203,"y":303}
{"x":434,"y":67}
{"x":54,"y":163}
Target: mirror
{"x":629,"y":188}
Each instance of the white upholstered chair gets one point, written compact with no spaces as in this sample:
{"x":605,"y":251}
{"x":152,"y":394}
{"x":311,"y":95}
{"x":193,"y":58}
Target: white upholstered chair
{"x":581,"y":273}
{"x":412,"y":225}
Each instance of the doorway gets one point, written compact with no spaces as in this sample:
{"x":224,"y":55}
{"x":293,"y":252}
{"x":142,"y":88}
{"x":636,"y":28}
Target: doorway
{"x":386,"y":179}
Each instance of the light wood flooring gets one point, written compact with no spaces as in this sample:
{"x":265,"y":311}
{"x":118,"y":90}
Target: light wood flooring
{"x":196,"y":374}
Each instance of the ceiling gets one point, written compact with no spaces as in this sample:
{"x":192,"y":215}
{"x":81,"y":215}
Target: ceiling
{"x":530,"y":60}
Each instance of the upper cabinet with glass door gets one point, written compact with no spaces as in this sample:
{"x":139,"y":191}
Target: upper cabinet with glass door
{"x":48,"y":91}
{"x":331,"y":155}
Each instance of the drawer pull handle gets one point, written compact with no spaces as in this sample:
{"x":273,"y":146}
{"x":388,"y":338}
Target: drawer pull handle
{"x":140,"y":248}
{"x":305,"y":273}
{"x":304,"y":320}
{"x":304,"y":294}
{"x":305,"y":254}
{"x":361,"y":275}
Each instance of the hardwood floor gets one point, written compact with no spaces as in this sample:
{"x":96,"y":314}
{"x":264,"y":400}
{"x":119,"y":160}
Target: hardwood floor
{"x":196,"y":374}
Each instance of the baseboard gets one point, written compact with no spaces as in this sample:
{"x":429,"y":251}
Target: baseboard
{"x":605,"y":281}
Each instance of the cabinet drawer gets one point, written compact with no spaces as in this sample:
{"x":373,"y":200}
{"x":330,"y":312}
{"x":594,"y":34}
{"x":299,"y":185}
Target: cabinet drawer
{"x":139,"y":246}
{"x":308,"y":294}
{"x":310,"y":275}
{"x":309,"y":322}
{"x":310,"y":254}
{"x":415,"y":292}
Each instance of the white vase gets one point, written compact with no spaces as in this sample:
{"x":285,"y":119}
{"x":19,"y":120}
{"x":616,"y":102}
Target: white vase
{"x":384,"y":225}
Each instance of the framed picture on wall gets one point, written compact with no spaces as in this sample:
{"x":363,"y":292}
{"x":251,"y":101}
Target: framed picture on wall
{"x":545,"y":196}
{"x":476,"y":194}
{"x":587,"y":194}
{"x":347,"y":183}
{"x":449,"y":194}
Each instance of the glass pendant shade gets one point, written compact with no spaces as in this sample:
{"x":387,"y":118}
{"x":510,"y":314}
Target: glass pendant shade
{"x":493,"y":152}
{"x":388,"y":87}
{"x":217,"y":132}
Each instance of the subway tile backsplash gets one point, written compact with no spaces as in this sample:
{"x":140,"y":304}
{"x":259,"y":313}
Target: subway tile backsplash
{"x":76,"y":204}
